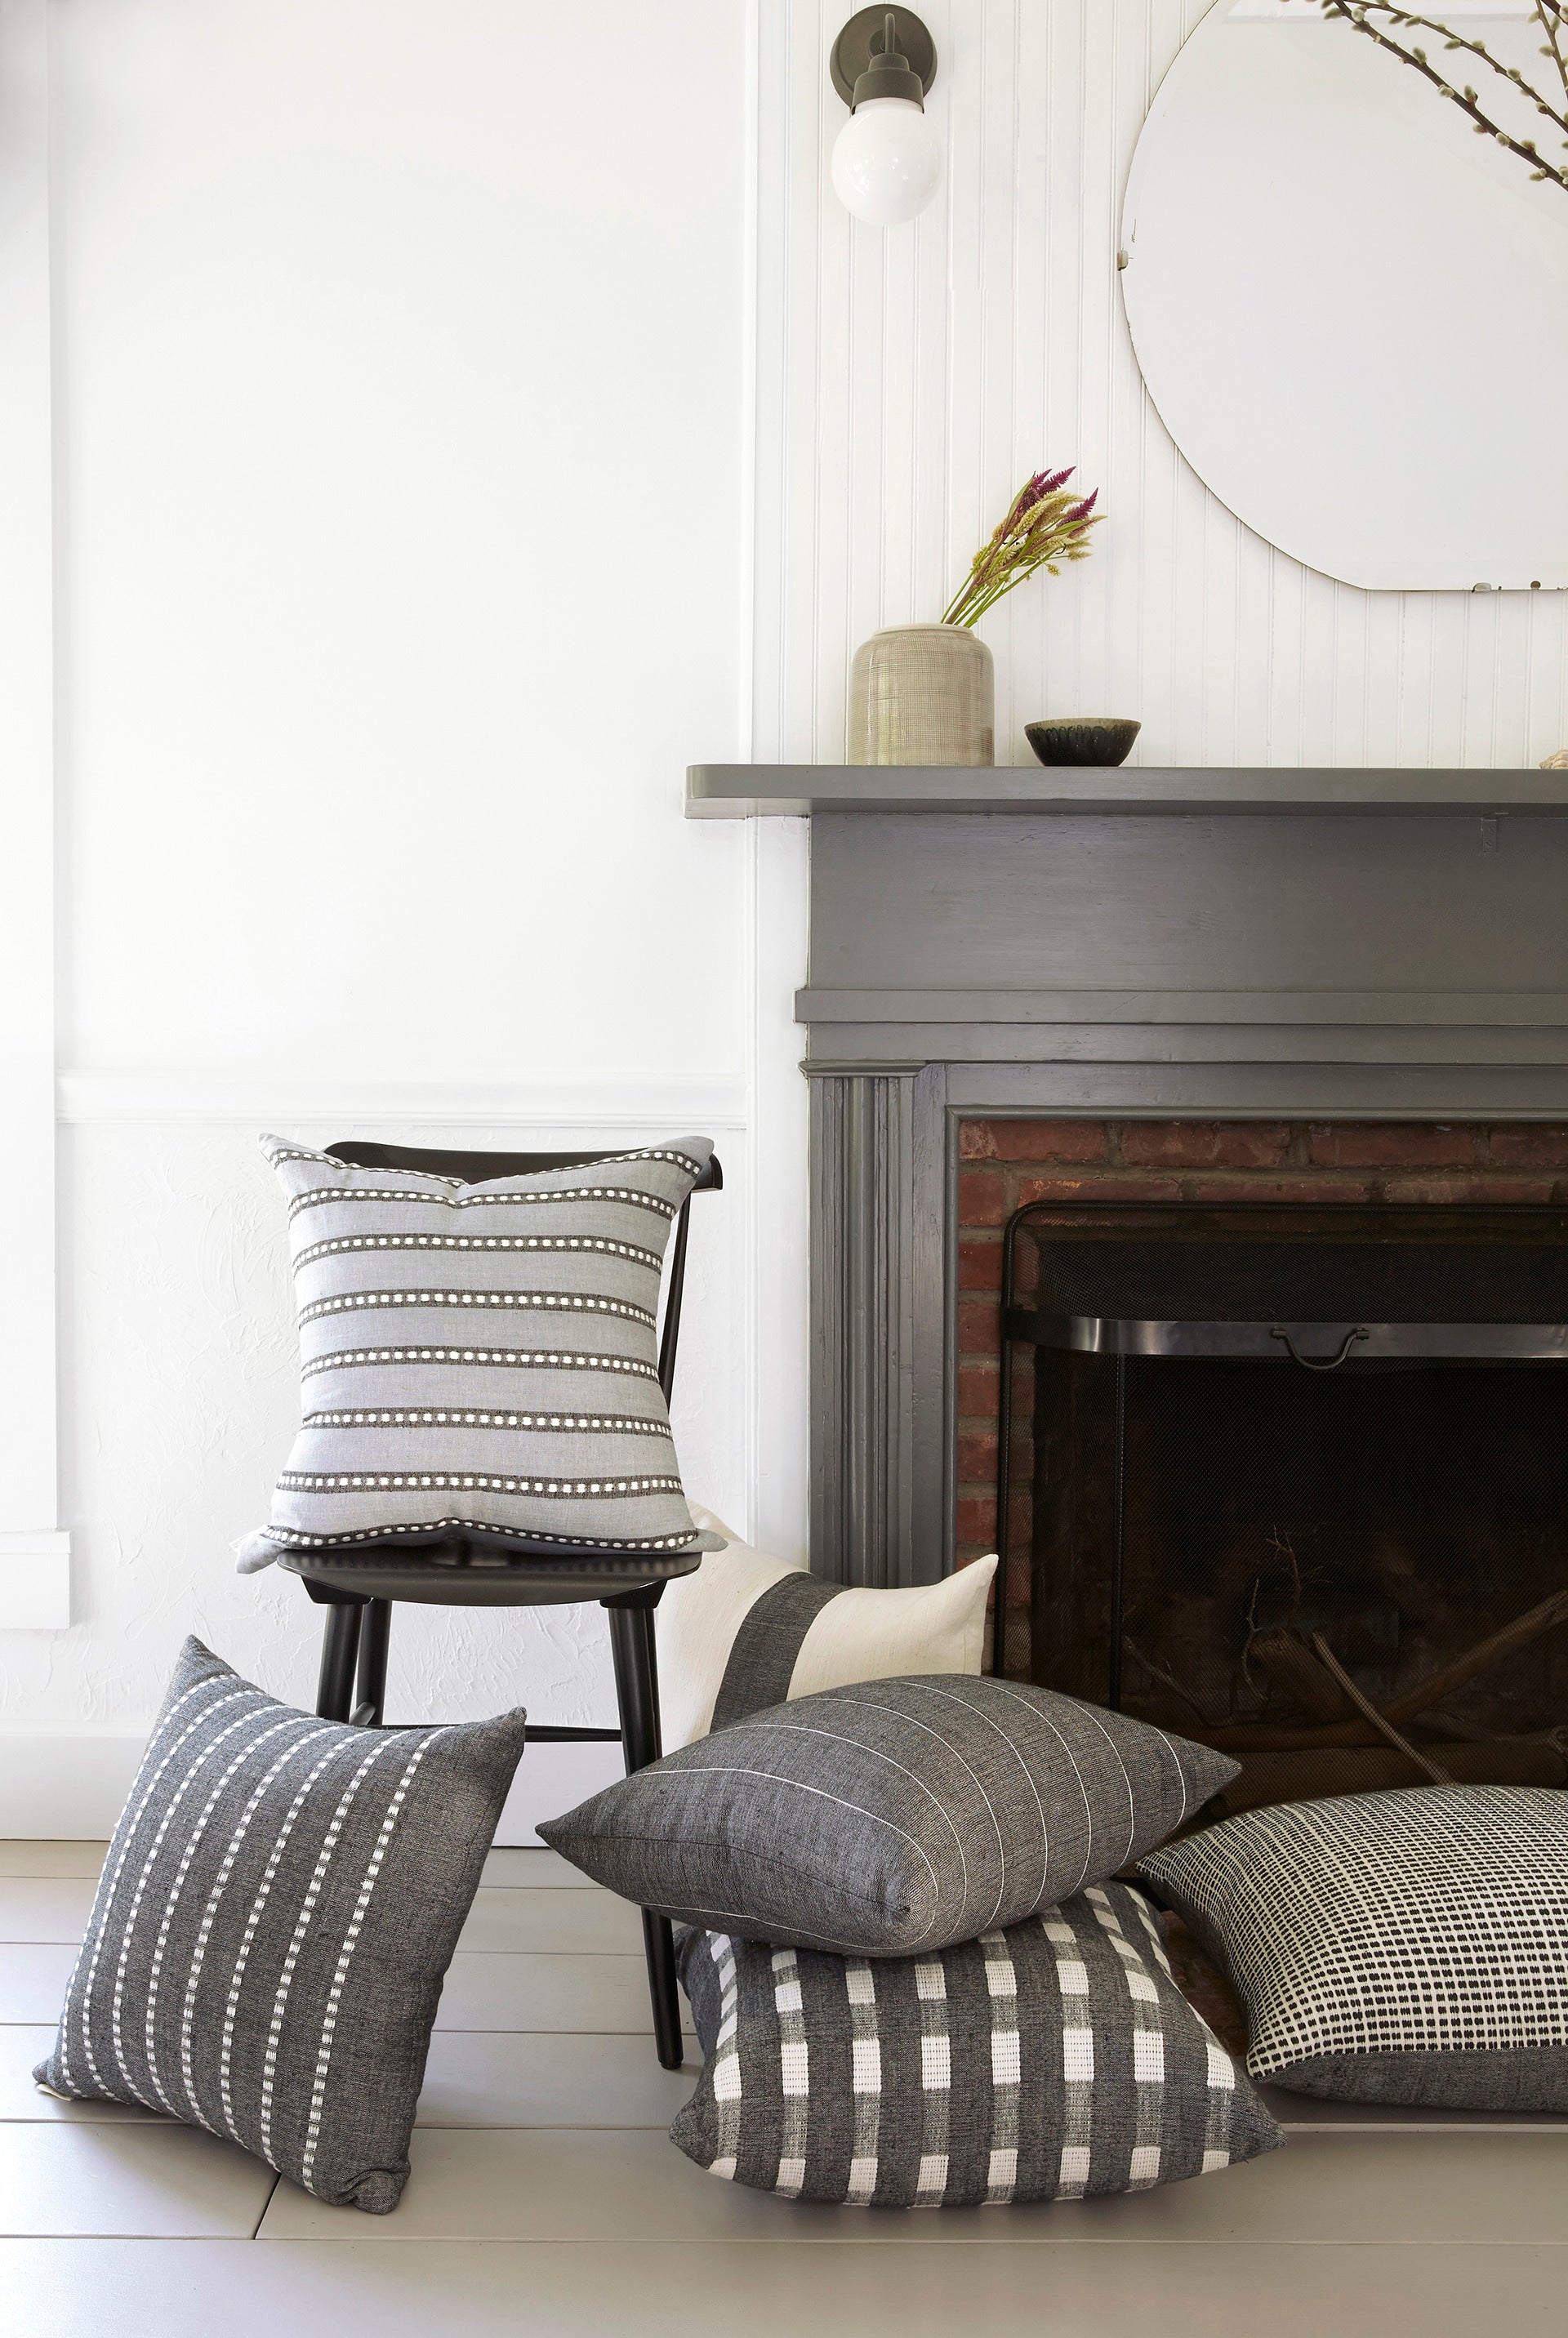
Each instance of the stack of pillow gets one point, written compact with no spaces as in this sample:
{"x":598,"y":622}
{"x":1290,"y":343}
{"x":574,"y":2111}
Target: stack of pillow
{"x":912,"y":1972}
{"x":893,"y":2007}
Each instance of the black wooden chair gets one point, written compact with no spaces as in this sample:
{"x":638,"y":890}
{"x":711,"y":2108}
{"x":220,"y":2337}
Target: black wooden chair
{"x":358,"y":1585}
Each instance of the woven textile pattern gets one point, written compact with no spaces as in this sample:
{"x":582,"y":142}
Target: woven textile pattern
{"x":1046,"y":2062}
{"x":1401,"y":1946}
{"x":746,"y":1630}
{"x":281,"y":1900}
{"x":892,"y":1817}
{"x":482,"y":1356}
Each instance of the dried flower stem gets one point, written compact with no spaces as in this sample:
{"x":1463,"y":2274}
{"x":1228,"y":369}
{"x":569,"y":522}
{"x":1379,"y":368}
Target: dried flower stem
{"x":1041,"y":527}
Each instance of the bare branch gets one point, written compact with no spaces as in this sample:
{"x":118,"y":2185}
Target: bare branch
{"x":1358,"y":14}
{"x":1554,"y":21}
{"x":1452,"y":40}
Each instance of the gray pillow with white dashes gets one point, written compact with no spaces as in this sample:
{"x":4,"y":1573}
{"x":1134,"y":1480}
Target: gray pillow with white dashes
{"x":480,"y":1362}
{"x":281,"y":1900}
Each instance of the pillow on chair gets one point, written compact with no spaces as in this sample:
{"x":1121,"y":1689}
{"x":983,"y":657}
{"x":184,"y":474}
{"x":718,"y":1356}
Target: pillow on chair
{"x":483,"y":1358}
{"x":747,"y":1631}
{"x":280,"y":1900}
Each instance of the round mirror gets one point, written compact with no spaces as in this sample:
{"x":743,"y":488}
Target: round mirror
{"x":1352,"y":311}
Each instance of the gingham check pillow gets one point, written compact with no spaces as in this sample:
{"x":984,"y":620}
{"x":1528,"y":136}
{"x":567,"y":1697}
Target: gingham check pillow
{"x":1050,"y":2060}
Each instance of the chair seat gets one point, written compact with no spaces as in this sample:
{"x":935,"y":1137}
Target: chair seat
{"x":452,"y":1573}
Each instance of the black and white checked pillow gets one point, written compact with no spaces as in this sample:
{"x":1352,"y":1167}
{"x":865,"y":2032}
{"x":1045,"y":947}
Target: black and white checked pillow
{"x":481,"y":1360}
{"x":1409,"y":1947}
{"x":892,"y":1817}
{"x":281,"y":1900}
{"x":1047,"y":2061}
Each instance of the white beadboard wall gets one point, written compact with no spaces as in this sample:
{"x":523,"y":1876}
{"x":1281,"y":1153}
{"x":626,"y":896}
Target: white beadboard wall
{"x":909,"y":382}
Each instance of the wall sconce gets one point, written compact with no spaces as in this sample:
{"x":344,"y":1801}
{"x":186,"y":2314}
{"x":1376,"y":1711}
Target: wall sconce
{"x":886,"y":159}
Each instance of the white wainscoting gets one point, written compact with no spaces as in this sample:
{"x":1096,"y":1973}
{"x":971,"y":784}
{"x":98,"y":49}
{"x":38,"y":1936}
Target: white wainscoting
{"x":70,"y":1784}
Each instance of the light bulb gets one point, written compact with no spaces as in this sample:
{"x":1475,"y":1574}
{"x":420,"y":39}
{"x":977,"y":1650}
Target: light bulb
{"x":887,"y":161}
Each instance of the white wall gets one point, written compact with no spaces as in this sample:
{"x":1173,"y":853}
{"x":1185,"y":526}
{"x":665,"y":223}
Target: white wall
{"x":400,"y":437}
{"x":441,"y":466}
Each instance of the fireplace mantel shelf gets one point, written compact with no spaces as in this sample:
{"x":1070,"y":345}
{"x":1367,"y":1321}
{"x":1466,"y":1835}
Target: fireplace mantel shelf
{"x":784,"y":791}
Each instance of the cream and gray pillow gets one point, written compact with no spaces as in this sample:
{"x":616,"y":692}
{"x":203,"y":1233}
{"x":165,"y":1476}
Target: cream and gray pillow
{"x":481,"y":1360}
{"x":748,"y":1630}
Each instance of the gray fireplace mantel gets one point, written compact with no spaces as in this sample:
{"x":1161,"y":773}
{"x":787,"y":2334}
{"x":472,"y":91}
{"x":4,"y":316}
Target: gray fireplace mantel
{"x":781,"y":791}
{"x":1232,"y":944}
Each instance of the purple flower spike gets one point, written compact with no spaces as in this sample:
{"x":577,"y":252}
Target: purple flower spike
{"x":1040,"y":527}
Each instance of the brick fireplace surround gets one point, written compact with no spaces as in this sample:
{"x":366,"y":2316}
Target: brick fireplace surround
{"x":1004,"y":1163}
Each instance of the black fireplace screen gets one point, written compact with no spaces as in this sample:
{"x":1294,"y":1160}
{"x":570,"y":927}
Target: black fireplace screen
{"x":1296,"y":1482}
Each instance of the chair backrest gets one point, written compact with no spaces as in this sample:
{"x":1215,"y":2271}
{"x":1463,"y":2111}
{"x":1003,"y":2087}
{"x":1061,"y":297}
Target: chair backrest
{"x":438,"y":1161}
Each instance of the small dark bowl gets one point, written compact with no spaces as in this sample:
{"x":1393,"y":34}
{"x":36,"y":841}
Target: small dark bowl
{"x":1089,"y":738}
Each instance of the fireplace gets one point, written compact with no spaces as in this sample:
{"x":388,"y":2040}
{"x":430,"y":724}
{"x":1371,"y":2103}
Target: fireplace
{"x":1354,"y":981}
{"x":1281,"y":1436}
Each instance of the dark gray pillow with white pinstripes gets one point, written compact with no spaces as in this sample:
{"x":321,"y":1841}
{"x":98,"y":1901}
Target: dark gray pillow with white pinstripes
{"x":481,"y":1360}
{"x":1044,"y":2062}
{"x":891,"y":1818}
{"x":280,"y":1900}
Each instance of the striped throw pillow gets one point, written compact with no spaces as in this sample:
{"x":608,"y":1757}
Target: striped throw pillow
{"x":890,"y":1818}
{"x":1046,"y":2062}
{"x":281,"y":1898}
{"x":748,"y":1630}
{"x":481,"y":1360}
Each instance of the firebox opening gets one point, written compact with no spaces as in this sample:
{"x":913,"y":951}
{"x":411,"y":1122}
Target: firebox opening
{"x":1295,"y":1482}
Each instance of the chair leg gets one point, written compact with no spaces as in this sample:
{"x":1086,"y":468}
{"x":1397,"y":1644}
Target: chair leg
{"x":637,"y":1689}
{"x":370,"y":1692}
{"x":340,"y":1646}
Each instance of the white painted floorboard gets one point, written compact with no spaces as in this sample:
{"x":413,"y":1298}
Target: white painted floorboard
{"x":1415,"y":2188}
{"x":547,"y":2198}
{"x":774,"y":2289}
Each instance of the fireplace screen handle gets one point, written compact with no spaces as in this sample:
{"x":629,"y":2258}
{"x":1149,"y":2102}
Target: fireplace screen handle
{"x":1319,"y":1363}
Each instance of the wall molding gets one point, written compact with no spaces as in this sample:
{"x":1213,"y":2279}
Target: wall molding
{"x":88,"y":1098}
{"x":34,"y":1579}
{"x":70,"y":1784}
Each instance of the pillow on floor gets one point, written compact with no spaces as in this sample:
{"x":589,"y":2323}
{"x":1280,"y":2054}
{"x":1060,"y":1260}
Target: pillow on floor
{"x":747,"y":1631}
{"x":890,"y":1818}
{"x":280,"y":1900}
{"x":1053,"y":2060}
{"x":1394,"y":1947}
{"x":481,"y":1360}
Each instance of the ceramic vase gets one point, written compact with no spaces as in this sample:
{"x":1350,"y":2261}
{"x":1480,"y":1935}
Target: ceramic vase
{"x":922,"y":694}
